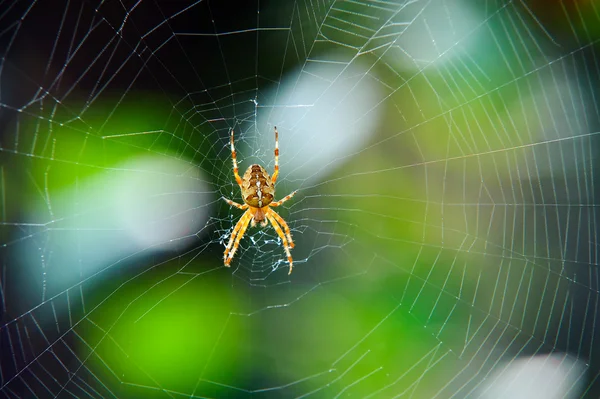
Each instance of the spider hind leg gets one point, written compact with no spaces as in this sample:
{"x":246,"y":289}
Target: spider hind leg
{"x":238,"y":179}
{"x":276,"y":171}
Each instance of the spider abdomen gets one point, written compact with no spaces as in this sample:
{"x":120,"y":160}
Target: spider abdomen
{"x":258,"y":190}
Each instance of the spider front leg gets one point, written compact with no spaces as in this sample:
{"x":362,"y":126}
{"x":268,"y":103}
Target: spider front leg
{"x":285,"y":226}
{"x":244,"y":225}
{"x":236,"y":236}
{"x":281,"y":235}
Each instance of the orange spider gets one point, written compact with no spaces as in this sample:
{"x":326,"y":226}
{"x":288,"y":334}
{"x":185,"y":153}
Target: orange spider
{"x":258,"y":192}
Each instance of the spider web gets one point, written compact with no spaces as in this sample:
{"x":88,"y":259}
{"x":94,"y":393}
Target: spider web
{"x":445,"y":223}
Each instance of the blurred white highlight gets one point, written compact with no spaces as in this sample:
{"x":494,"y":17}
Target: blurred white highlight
{"x":154,"y":205}
{"x":145,"y":205}
{"x":442,"y":32}
{"x":537,"y":377}
{"x":553,"y":114}
{"x":324,"y":112}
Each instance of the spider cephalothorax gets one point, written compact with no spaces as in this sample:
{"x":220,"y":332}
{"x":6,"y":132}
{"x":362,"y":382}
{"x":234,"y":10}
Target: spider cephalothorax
{"x":258,"y":192}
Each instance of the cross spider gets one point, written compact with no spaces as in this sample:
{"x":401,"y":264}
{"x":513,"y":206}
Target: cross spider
{"x":258,"y":192}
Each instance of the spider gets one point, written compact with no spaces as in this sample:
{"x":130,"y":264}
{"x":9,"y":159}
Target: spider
{"x":258,"y":192}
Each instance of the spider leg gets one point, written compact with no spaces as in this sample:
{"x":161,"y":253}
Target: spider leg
{"x":281,"y":201}
{"x":276,"y":171}
{"x":236,"y":235}
{"x":232,"y":203}
{"x":282,"y":236}
{"x":236,"y":244}
{"x":235,"y":166}
{"x":285,"y":226}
